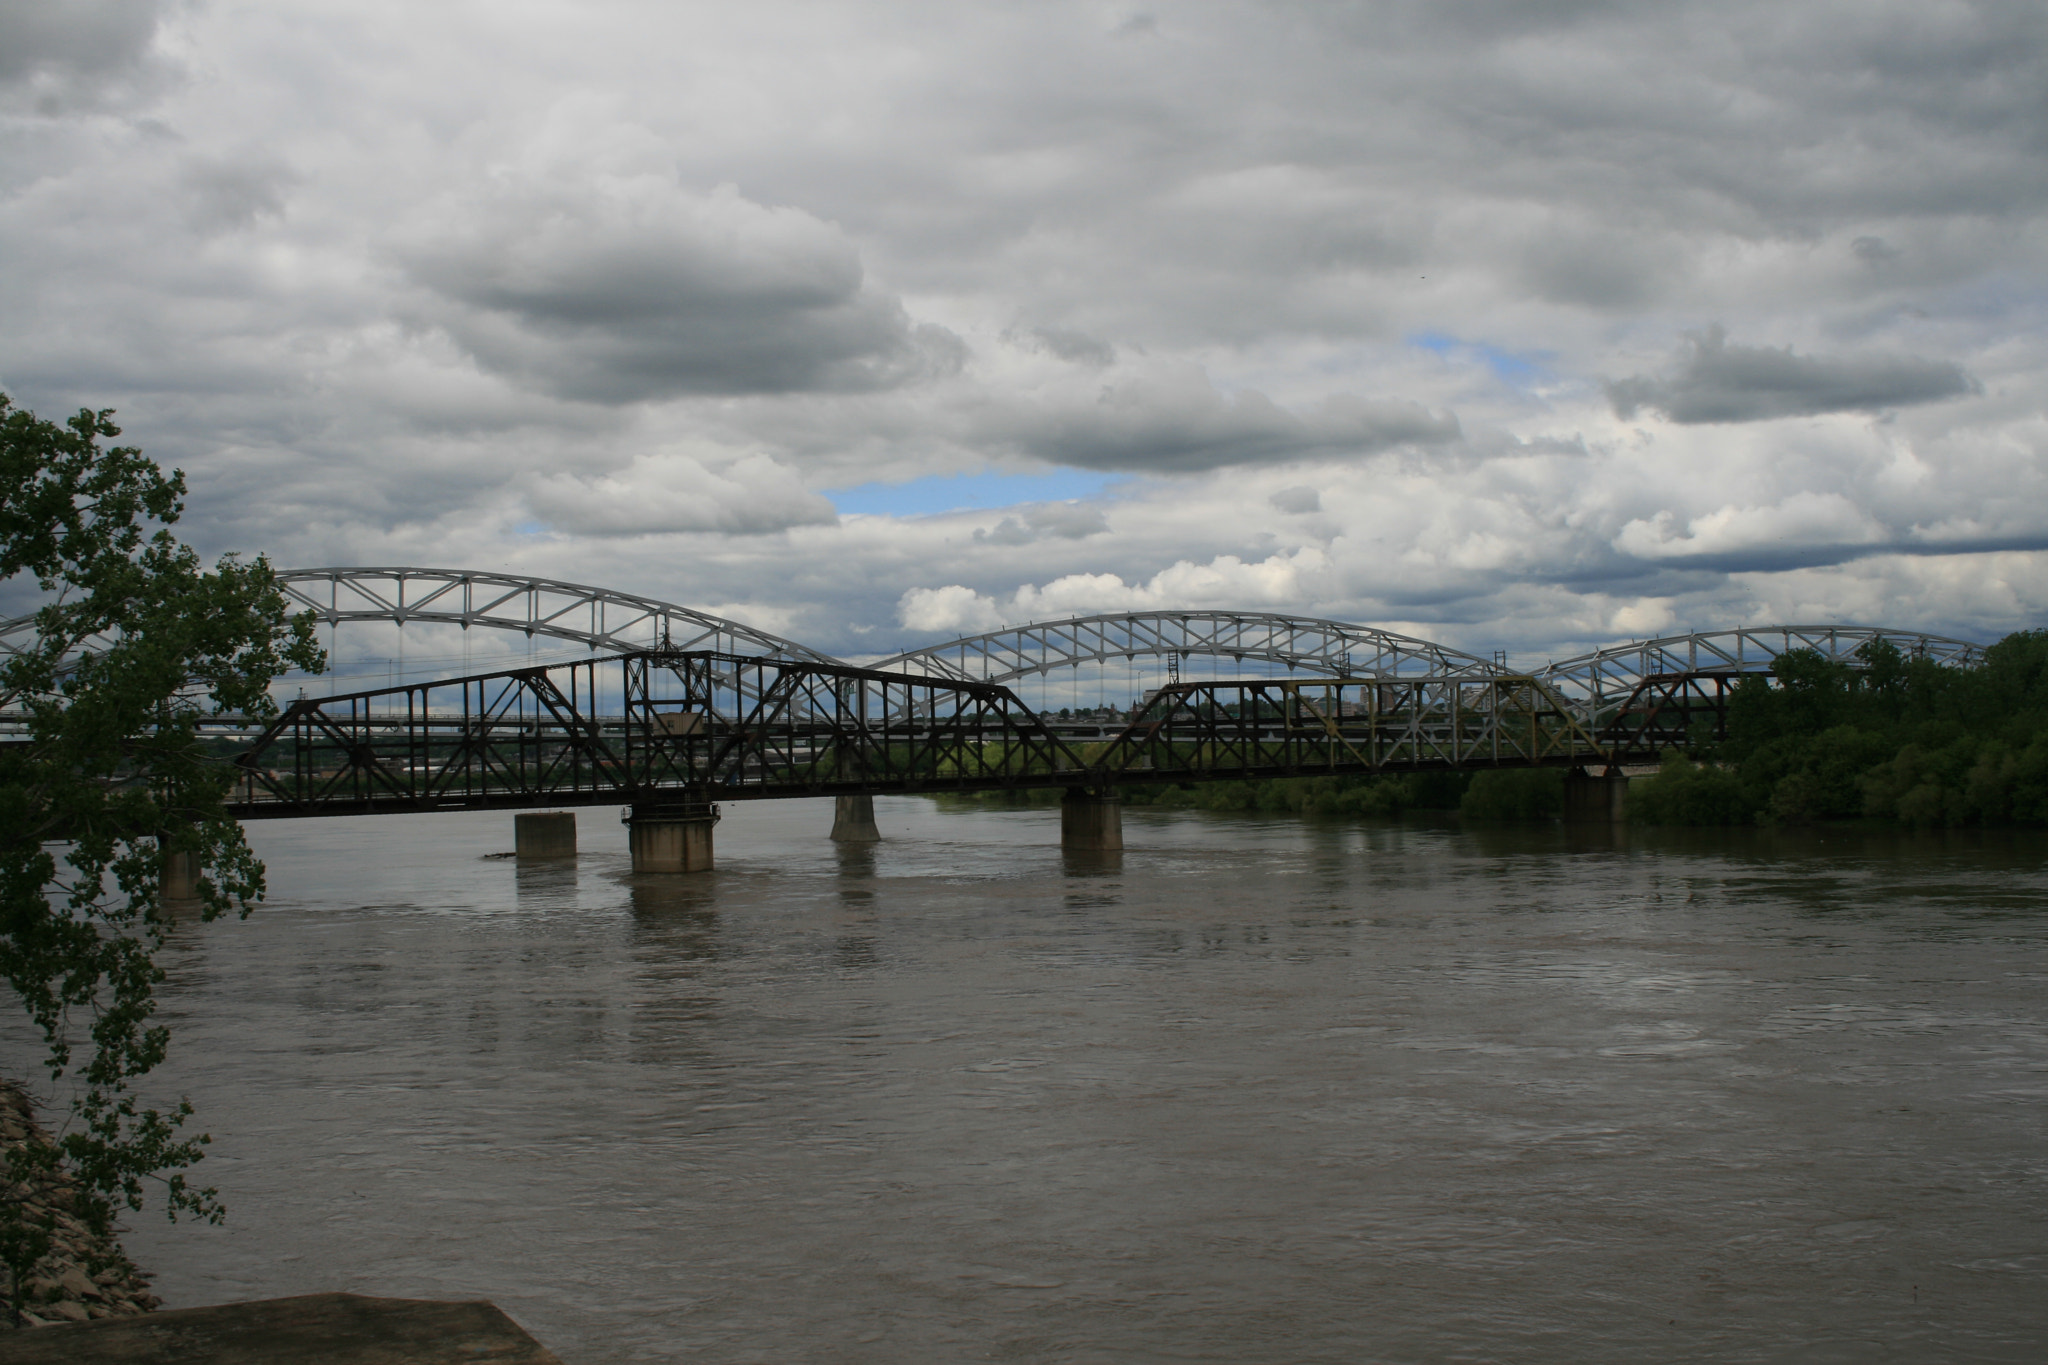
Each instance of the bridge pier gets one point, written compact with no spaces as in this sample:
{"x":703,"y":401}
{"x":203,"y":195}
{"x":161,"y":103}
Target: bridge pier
{"x":1091,"y":820}
{"x":1591,"y":798}
{"x":853,"y":820}
{"x":671,"y":838}
{"x":544,"y":834}
{"x":179,"y":880}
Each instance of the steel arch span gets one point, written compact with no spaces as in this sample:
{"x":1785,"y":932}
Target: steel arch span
{"x":1611,"y":674}
{"x":603,"y":620}
{"x":1335,"y":648}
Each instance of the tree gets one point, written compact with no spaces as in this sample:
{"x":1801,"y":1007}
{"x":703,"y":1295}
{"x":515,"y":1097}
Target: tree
{"x":137,"y":643}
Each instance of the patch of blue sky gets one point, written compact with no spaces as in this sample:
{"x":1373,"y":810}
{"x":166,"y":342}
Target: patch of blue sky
{"x":939,"y":493}
{"x":1521,"y":371}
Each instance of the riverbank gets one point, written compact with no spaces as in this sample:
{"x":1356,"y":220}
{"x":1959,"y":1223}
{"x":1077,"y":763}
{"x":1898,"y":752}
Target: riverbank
{"x":82,"y":1276}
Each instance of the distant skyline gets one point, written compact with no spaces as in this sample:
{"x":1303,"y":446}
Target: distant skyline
{"x":1524,"y":326}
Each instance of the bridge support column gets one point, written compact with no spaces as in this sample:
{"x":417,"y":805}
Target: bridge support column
{"x":853,"y":820}
{"x":544,"y":834}
{"x":671,"y":838}
{"x":179,"y":880}
{"x":1091,"y":819}
{"x":1591,"y":798}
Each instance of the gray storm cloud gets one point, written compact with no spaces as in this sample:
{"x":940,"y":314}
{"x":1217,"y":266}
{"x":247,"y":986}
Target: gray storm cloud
{"x":1172,"y":420}
{"x":1717,"y":382}
{"x":636,"y":289}
{"x":1076,"y":347}
{"x":1057,"y":520}
{"x":78,"y":35}
{"x":223,"y":194}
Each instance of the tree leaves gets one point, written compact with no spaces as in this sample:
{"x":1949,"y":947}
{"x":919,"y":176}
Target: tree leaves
{"x":138,"y":643}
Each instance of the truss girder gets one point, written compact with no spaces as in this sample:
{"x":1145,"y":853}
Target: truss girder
{"x":1666,"y":711}
{"x":1259,"y":728}
{"x":701,"y":726}
{"x":1307,"y":643}
{"x":704,"y":727}
{"x":644,"y":726}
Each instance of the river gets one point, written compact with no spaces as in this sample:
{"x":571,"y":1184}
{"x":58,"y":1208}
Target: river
{"x":1257,"y":1090}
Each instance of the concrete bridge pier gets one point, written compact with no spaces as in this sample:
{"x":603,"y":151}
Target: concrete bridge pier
{"x":544,"y":834}
{"x":1591,"y":798}
{"x":671,"y":838}
{"x":853,"y":821}
{"x":179,"y":880}
{"x":1091,"y":820}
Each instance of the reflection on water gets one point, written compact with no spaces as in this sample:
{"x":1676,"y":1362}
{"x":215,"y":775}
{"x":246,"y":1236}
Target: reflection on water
{"x":1248,"y":1090}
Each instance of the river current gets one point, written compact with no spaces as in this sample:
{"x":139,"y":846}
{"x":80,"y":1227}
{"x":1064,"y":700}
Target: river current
{"x":1255,"y":1090}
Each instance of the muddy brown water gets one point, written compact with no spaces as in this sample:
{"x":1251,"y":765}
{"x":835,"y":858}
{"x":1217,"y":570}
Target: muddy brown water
{"x":1256,"y":1090}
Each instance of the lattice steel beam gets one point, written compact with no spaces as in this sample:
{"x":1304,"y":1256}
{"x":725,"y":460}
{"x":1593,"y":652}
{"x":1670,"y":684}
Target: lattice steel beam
{"x":1318,"y":646}
{"x":1260,"y":728}
{"x":695,"y":726}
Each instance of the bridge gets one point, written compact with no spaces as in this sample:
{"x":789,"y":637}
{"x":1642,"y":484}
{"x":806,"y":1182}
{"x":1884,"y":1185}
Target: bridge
{"x":671,"y":711}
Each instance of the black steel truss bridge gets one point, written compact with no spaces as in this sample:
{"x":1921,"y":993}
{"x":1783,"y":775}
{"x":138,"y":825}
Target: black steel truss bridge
{"x":691,"y":728}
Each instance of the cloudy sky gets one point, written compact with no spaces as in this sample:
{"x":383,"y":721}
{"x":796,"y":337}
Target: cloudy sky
{"x":1523,"y":324}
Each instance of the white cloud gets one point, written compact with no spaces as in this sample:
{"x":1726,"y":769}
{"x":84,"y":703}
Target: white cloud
{"x":1803,"y":519}
{"x":1223,"y":582}
{"x":951,"y":610}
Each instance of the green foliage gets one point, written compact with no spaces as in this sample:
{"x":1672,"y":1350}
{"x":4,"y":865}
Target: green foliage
{"x":1886,"y":738}
{"x":1687,"y":793}
{"x":1515,"y":794}
{"x":138,"y":642}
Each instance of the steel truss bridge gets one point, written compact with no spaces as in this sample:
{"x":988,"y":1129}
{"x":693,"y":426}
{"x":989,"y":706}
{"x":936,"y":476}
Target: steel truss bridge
{"x":692,"y":728}
{"x":681,"y":704}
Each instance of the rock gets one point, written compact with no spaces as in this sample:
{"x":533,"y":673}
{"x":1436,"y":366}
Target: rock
{"x":77,"y":1284}
{"x":62,"y":1287}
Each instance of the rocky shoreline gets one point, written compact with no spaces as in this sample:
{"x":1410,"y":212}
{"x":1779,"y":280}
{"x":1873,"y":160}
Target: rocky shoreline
{"x":84,"y":1276}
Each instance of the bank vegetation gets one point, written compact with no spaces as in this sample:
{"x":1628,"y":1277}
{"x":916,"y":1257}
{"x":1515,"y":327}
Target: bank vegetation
{"x":1887,"y":739}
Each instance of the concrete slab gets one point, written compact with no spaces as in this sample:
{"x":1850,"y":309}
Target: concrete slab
{"x":318,"y":1329}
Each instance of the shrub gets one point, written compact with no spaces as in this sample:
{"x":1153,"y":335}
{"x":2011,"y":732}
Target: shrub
{"x":1688,"y":793}
{"x":1515,"y":794}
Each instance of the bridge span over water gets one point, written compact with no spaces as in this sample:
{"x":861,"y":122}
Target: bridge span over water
{"x":671,"y":710}
{"x":675,"y":710}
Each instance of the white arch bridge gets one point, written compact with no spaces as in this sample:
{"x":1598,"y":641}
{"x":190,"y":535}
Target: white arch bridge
{"x":601,"y":620}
